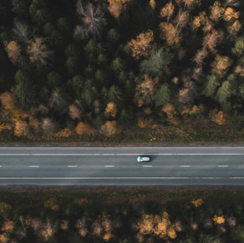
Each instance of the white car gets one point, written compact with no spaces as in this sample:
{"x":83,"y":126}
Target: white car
{"x":143,"y":159}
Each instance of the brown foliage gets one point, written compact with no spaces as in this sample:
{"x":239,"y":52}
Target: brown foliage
{"x":231,"y":221}
{"x":9,"y":103}
{"x":169,"y":33}
{"x":230,"y":14}
{"x":34,"y":124}
{"x":13,"y":50}
{"x":96,"y":106}
{"x":81,"y":202}
{"x":81,"y":223}
{"x":8,"y":226}
{"x":185,"y":95}
{"x":141,"y":46}
{"x":169,"y":109}
{"x":38,"y":51}
{"x":84,"y":128}
{"x":182,"y":19}
{"x":47,"y":125}
{"x":208,"y":26}
{"x":234,"y":28}
{"x":107,"y":223}
{"x":217,"y":11}
{"x":239,"y":70}
{"x":167,"y":11}
{"x":97,"y":228}
{"x":64,"y":224}
{"x":82,"y":226}
{"x":36,"y":224}
{"x":199,"y":20}
{"x":21,"y":128}
{"x":48,"y":230}
{"x":158,"y":225}
{"x":221,"y":65}
{"x":218,"y":117}
{"x":153,"y":4}
{"x":207,"y":223}
{"x":4,"y":238}
{"x":109,"y":128}
{"x":74,"y":112}
{"x":110,"y":110}
{"x":200,"y":56}
{"x":52,"y":203}
{"x":212,"y":39}
{"x":145,"y":90}
{"x":116,"y":7}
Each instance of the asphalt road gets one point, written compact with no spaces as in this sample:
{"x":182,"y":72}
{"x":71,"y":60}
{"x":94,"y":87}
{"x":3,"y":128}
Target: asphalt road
{"x":118,"y":166}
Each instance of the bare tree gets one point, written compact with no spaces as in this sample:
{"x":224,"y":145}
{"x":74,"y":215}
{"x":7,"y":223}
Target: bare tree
{"x":233,"y":3}
{"x":92,"y":21}
{"x":48,"y":125}
{"x":38,"y":51}
{"x":21,"y":32}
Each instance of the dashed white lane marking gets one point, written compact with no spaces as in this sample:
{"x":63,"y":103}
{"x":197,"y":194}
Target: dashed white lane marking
{"x":180,"y":154}
{"x":147,"y":166}
{"x":72,"y":165}
{"x":109,"y":165}
{"x":166,"y":154}
{"x":34,"y":166}
{"x":185,"y":166}
{"x":222,"y":165}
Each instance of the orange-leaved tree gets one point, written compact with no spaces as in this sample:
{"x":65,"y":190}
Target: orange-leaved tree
{"x":169,"y":33}
{"x":167,"y":11}
{"x":221,"y":65}
{"x":116,"y":7}
{"x":217,"y":11}
{"x":141,"y":46}
{"x":145,"y":90}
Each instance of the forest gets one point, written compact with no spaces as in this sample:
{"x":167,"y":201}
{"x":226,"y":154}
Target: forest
{"x":121,"y":70}
{"x":122,"y":215}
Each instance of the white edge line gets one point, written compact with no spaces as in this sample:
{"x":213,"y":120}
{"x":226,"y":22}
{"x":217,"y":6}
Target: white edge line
{"x":34,"y":166}
{"x":185,"y":166}
{"x":147,"y":166}
{"x":222,"y":165}
{"x":120,"y":178}
{"x":72,"y":165}
{"x":109,"y":165}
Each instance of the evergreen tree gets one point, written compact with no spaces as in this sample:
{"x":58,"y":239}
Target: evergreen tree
{"x":26,"y":95}
{"x":20,"y":7}
{"x":238,"y":49}
{"x":163,"y":95}
{"x":210,"y":86}
{"x":227,"y":89}
{"x":54,"y":80}
{"x":39,"y":12}
{"x":157,"y":63}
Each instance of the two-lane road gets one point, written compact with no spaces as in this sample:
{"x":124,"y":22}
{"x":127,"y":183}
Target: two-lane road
{"x":118,"y":166}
